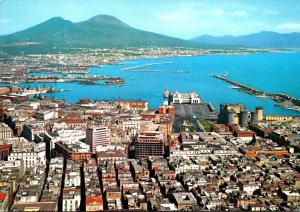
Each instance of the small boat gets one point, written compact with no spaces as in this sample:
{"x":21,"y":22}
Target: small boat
{"x":263,"y":96}
{"x":234,"y":87}
{"x":114,"y":82}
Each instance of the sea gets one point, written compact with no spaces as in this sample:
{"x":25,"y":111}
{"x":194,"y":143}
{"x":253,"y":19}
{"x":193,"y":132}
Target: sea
{"x":270,"y":72}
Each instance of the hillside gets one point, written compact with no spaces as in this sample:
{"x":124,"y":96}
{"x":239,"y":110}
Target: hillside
{"x":96,"y":32}
{"x":258,"y":40}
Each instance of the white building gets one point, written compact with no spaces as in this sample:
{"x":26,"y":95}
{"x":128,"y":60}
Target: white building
{"x":71,"y":199}
{"x":46,"y":115}
{"x":185,"y":98}
{"x":5,"y":131}
{"x":31,"y":153}
{"x":97,"y":136}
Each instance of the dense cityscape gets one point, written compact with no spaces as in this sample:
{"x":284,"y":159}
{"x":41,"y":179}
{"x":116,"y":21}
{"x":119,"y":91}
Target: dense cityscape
{"x":128,"y":105}
{"x":113,"y":155}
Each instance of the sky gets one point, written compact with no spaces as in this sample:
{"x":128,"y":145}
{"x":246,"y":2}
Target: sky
{"x":184,"y":19}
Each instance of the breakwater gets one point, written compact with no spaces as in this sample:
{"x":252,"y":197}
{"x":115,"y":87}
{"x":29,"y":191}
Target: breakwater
{"x":145,"y":65}
{"x":283,"y":100}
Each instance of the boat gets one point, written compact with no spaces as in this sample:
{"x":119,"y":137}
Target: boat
{"x":285,"y":104}
{"x":28,"y":92}
{"x":234,"y":87}
{"x":114,"y":82}
{"x":263,"y":96}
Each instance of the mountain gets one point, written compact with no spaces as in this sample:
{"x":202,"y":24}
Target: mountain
{"x":262,"y":39}
{"x":99,"y":31}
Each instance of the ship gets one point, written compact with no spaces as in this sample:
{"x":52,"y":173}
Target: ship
{"x":234,"y":87}
{"x":114,"y":82}
{"x":28,"y":92}
{"x":262,"y":96}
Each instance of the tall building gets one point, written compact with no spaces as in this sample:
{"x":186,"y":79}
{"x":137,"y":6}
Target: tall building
{"x":149,"y":143}
{"x":97,"y":136}
{"x":260,"y":113}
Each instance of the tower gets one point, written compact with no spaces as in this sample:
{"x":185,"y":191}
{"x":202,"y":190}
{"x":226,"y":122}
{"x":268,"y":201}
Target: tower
{"x":254,"y":117}
{"x":222,"y":115}
{"x":260,"y":113}
{"x":97,"y":136}
{"x":243,"y":118}
{"x":230,"y":117}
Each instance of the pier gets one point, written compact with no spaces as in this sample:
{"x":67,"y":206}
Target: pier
{"x":281,"y":99}
{"x":146,"y":65}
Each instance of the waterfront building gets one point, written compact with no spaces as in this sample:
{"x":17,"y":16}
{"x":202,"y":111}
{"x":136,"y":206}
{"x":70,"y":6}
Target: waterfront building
{"x":97,"y":136}
{"x":279,"y":118}
{"x":184,"y":98}
{"x":237,"y":114}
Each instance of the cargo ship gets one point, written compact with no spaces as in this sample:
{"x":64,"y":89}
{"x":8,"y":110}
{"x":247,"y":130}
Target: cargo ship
{"x":114,"y":82}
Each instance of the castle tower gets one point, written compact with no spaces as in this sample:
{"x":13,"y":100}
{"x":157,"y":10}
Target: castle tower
{"x":260,"y":113}
{"x":243,"y":118}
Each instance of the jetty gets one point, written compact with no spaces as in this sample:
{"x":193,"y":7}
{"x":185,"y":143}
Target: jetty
{"x":145,"y":65}
{"x":277,"y":97}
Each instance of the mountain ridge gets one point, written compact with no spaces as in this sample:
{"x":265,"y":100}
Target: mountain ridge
{"x":101,"y":31}
{"x":263,"y":39}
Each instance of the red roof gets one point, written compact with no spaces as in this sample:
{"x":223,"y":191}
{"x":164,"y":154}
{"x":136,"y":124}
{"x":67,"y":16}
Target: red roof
{"x":5,"y":147}
{"x":94,"y":199}
{"x":2,"y":196}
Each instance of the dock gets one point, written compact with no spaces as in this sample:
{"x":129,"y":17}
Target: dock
{"x":145,"y":65}
{"x":277,"y":97}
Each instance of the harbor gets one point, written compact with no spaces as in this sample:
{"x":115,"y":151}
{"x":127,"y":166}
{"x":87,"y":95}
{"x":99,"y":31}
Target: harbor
{"x":282,"y":100}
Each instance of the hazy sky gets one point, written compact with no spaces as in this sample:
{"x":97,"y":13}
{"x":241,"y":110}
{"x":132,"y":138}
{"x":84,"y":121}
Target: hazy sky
{"x":179,"y":18}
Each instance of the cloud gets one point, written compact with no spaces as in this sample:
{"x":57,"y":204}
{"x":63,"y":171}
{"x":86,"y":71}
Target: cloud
{"x":290,"y":26}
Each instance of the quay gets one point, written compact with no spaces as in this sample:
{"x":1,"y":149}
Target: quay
{"x":281,"y":99}
{"x":57,"y":79}
{"x":146,"y":65}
